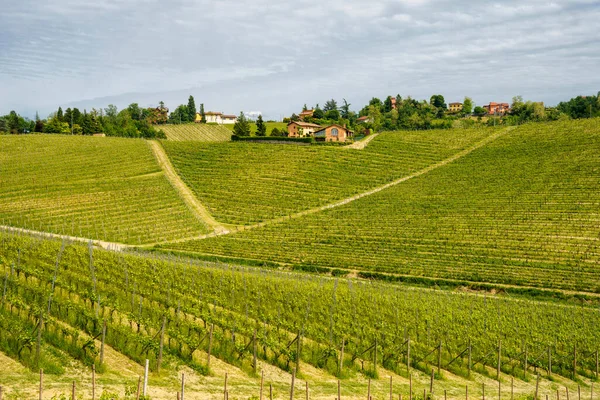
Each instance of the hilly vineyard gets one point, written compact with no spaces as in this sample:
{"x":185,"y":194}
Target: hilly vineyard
{"x":178,"y":312}
{"x":100,"y":188}
{"x":522,"y":210}
{"x":246,"y":183}
{"x":196,"y":133}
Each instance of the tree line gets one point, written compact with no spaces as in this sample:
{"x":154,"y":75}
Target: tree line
{"x":390,"y":114}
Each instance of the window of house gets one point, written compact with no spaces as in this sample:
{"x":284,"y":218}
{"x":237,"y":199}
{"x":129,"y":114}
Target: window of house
{"x":334,"y":132}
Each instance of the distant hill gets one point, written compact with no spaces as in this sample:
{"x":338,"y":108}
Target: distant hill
{"x":197,"y":133}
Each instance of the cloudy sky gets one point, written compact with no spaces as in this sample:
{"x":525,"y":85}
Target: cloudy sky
{"x":274,"y":56}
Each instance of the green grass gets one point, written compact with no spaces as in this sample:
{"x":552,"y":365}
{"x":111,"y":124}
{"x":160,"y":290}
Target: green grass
{"x":196,"y":132}
{"x":245,"y":183}
{"x":101,"y":188}
{"x":523,"y":210}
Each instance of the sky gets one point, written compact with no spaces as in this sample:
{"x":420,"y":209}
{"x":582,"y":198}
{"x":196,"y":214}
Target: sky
{"x":276,"y":56}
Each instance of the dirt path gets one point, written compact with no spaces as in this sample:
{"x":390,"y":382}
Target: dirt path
{"x":184,"y":191}
{"x":361,"y":144}
{"x":99,"y":243}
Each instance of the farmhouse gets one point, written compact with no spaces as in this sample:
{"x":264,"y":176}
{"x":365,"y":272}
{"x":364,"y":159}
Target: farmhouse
{"x":364,"y":119}
{"x":497,"y":108}
{"x":455,"y":107}
{"x":301,"y":129}
{"x":333,"y":133}
{"x":213,"y":117}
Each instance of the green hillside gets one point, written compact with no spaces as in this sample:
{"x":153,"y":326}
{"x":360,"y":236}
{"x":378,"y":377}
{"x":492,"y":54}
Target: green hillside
{"x":196,"y":133}
{"x":522,"y":210}
{"x":94,"y":187}
{"x":255,"y":312}
{"x":245,"y":183}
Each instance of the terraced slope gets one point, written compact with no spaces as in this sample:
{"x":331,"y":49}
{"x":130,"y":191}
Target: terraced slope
{"x":523,"y":210}
{"x":100,"y":188}
{"x":246,"y":183}
{"x":196,"y":133}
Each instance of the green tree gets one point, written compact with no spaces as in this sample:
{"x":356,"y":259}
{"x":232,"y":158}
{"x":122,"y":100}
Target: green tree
{"x":242,"y":126}
{"x":275,"y":132}
{"x":39,"y":124}
{"x":330,"y":105}
{"x":191,"y":109}
{"x":318,"y":114}
{"x":304,"y":108}
{"x":59,"y":115}
{"x":333,"y":115}
{"x":134,"y":111}
{"x":179,"y":115}
{"x":202,"y":114}
{"x":467,"y":106}
{"x":387,"y":104}
{"x":77,"y":116}
{"x":261,"y":128}
{"x":479,"y":111}
{"x":345,"y":110}
{"x":437,"y":100}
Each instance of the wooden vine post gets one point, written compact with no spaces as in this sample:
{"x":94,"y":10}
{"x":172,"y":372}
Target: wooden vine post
{"x":161,"y":343}
{"x":93,"y":381}
{"x":41,"y":383}
{"x":537,"y":386}
{"x":292,"y":387}
{"x":73,"y":392}
{"x":210,"y":338}
{"x":254,"y":351}
{"x":341,"y":362}
{"x":408,"y":355}
{"x":439,"y":360}
{"x":102,"y":342}
{"x":499,"y":359}
{"x":470,"y":359}
{"x":298,"y":349}
{"x":262,"y":380}
{"x":574,"y":360}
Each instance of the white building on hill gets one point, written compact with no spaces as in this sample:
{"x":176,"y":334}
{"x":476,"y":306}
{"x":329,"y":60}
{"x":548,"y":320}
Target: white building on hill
{"x":213,"y":117}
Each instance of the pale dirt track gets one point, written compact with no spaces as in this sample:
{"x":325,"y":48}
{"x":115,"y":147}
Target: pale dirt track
{"x":183,"y":190}
{"x":361,"y":144}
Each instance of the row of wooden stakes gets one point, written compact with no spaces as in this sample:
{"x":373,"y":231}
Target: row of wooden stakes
{"x":142,"y":388}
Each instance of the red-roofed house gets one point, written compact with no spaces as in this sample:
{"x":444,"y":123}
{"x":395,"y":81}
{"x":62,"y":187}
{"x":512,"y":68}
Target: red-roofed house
{"x":497,"y":108}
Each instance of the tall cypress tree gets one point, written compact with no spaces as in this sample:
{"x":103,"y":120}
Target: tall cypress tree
{"x":202,"y":114}
{"x":261,"y":128}
{"x":191,"y":109}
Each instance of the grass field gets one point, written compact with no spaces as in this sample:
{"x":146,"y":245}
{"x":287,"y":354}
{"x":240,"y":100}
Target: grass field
{"x":76,"y":289}
{"x":522,"y":210}
{"x":100,"y":188}
{"x":197,"y":133}
{"x":245,"y":183}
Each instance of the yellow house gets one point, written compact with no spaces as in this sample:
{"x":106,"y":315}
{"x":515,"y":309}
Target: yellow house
{"x":455,"y":107}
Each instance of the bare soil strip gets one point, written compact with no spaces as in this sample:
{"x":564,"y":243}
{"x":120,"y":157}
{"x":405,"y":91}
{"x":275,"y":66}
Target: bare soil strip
{"x":184,"y":191}
{"x":361,"y":144}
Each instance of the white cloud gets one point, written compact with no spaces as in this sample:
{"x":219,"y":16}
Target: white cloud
{"x":278,"y":56}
